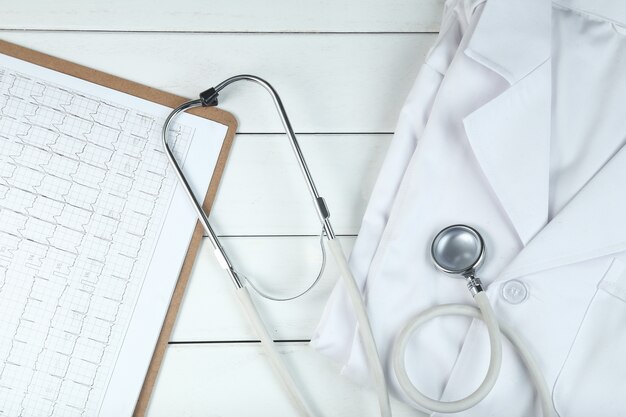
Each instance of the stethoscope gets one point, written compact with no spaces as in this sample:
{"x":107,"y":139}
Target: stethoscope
{"x":457,"y":250}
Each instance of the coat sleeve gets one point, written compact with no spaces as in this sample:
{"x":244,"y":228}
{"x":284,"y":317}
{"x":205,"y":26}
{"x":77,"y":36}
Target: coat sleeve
{"x":336,"y":330}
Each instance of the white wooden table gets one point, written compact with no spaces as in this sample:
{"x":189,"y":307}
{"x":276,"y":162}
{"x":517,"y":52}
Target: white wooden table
{"x":343,"y":69}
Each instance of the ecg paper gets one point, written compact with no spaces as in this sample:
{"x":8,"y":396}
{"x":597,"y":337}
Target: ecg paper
{"x":93,"y":233}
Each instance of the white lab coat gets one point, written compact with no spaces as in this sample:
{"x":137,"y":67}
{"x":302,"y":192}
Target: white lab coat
{"x":516,"y":126}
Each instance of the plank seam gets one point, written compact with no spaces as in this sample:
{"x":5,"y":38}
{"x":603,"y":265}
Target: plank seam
{"x":237,"y":342}
{"x":317,"y":133}
{"x":281,"y":235}
{"x":219,"y":32}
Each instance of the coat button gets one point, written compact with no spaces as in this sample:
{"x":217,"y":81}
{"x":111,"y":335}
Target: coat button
{"x":514,"y":291}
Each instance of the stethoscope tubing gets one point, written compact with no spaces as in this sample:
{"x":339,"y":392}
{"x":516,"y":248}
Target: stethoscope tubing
{"x":495,"y":331}
{"x":484,"y":310}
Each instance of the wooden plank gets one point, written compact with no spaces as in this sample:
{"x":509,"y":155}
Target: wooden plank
{"x":270,"y":199}
{"x":263,"y":191}
{"x":281,"y":266}
{"x":329,"y":83}
{"x":236,"y":380}
{"x":224,"y":15}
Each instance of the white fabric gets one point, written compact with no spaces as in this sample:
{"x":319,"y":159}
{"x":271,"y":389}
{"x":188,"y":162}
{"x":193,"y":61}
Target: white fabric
{"x":516,"y":126}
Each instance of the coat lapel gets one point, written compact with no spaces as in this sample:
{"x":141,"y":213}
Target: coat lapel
{"x":510,"y":138}
{"x":592,"y":225}
{"x":510,"y":135}
{"x":512,"y":37}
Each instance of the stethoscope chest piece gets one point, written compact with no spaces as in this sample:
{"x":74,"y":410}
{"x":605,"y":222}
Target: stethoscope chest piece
{"x":459,"y":250}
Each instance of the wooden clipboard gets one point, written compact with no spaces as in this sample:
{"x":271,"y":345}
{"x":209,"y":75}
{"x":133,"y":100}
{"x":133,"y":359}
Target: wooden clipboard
{"x":166,"y":99}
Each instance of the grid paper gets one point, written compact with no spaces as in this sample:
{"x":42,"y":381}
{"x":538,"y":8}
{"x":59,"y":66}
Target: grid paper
{"x":84,"y":190}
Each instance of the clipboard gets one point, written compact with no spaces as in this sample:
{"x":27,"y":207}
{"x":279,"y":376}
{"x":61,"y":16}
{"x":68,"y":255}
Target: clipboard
{"x":169,"y":100}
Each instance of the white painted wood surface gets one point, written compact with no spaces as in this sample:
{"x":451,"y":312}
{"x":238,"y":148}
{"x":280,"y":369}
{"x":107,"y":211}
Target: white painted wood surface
{"x":329,"y":83}
{"x":343,"y":69}
{"x":213,"y":380}
{"x":279,"y":266}
{"x":264,"y":193}
{"x":224,"y":15}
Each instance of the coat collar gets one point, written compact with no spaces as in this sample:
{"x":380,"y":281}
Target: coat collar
{"x":510,"y":135}
{"x":610,"y":10}
{"x":512,"y":37}
{"x":510,"y":138}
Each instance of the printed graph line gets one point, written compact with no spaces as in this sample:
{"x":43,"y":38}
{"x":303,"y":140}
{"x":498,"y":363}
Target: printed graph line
{"x":84,"y":189}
